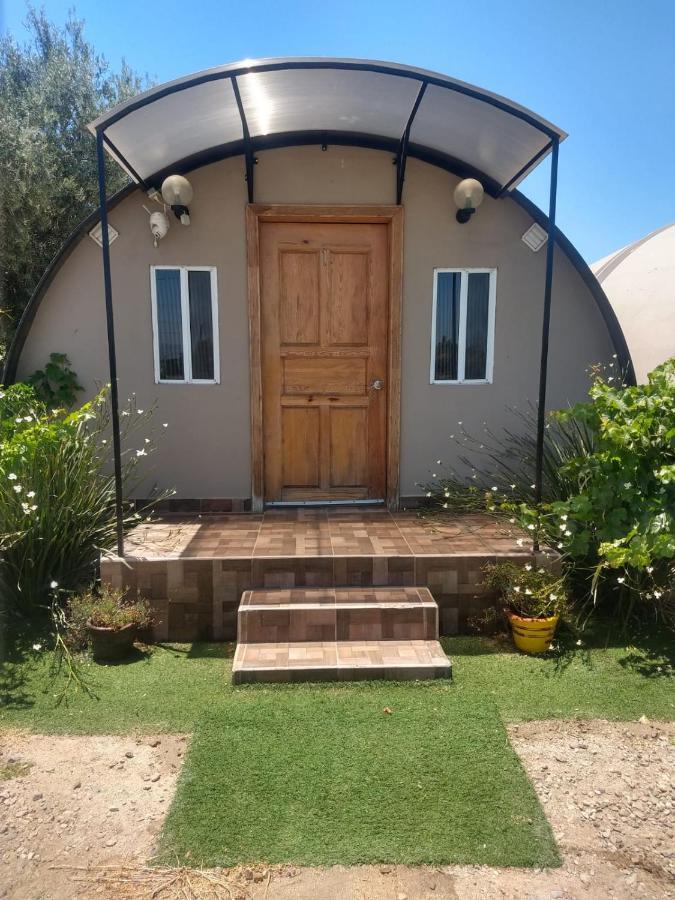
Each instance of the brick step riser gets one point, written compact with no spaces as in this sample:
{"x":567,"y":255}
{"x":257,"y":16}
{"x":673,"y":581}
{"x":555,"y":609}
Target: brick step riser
{"x":337,"y":624}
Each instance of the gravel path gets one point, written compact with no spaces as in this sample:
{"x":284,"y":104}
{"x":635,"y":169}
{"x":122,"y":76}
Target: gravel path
{"x":607,"y":788}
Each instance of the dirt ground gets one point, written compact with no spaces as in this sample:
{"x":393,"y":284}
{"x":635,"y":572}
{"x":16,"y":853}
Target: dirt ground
{"x":79,"y":817}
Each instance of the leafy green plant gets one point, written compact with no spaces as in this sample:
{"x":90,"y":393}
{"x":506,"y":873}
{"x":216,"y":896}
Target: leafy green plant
{"x":528,"y":591}
{"x":107,"y":607}
{"x":57,"y":495}
{"x":56,"y":385}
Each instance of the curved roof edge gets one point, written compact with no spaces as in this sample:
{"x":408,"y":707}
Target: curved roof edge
{"x":601,"y":300}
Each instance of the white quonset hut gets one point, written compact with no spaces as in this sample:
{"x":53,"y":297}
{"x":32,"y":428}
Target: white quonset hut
{"x":639,"y":281}
{"x":338,"y":301}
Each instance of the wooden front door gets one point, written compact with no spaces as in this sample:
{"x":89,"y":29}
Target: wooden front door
{"x":324,"y":315}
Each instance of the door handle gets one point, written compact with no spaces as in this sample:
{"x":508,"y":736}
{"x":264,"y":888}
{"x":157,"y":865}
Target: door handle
{"x":377,"y":385}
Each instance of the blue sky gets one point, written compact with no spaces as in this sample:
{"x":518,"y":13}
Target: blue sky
{"x":603,"y":71}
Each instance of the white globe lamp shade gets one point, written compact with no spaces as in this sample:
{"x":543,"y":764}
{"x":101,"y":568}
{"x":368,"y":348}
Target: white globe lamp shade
{"x":177,"y":191}
{"x":468,"y":196}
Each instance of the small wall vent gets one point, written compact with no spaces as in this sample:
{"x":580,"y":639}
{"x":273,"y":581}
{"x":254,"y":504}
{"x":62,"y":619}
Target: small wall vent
{"x":96,"y":234}
{"x":535,"y":237}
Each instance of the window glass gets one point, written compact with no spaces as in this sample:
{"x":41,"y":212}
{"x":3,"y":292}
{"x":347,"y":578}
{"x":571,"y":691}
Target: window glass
{"x":201,"y":324}
{"x":477,"y":313}
{"x":169,"y":325}
{"x":447,"y":325}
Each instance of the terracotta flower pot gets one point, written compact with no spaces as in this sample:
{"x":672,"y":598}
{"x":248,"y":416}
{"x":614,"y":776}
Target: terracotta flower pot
{"x":109,"y":644}
{"x":532,"y":635}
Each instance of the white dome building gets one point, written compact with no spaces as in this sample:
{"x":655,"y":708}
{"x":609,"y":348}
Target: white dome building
{"x":639,"y":281}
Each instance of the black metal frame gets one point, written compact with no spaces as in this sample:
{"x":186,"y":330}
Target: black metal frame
{"x":546,"y":325}
{"x":112,"y":356}
{"x":248,"y":146}
{"x":249,"y":156}
{"x":402,"y":157}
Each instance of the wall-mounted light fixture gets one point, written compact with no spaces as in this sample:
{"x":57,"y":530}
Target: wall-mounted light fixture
{"x":177,"y":193}
{"x":468,"y":197}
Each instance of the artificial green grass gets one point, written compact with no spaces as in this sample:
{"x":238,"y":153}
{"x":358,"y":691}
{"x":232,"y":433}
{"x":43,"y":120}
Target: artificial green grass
{"x":322,"y":774}
{"x":317,"y":775}
{"x":170,"y":687}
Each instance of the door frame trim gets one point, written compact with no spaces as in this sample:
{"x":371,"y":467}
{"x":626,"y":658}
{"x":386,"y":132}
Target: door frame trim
{"x":392,"y":217}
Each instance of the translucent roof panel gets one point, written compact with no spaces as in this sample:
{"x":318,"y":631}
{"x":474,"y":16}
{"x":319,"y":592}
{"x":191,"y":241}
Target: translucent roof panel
{"x":326,"y":100}
{"x":198,"y":119}
{"x":491,"y":140}
{"x":177,"y":126}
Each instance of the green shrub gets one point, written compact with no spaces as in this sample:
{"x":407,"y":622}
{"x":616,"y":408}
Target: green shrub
{"x":56,"y":385}
{"x":527,"y":590}
{"x":106,"y":608}
{"x":57,"y":496}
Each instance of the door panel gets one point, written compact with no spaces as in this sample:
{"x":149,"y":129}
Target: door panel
{"x":324,"y":312}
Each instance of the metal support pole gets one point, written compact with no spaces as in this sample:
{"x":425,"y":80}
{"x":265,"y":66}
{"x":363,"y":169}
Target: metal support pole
{"x":543,"y":366}
{"x":112,"y":357}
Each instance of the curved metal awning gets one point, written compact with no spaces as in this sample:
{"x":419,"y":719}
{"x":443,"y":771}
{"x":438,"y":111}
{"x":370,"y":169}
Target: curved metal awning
{"x":257,"y":104}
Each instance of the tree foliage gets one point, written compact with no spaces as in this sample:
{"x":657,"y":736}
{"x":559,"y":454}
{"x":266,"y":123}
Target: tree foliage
{"x":50,"y":87}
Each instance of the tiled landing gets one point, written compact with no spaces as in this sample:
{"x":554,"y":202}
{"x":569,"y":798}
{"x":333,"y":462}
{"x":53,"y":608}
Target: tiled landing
{"x":194,"y":569}
{"x":338,"y":634}
{"x":340,"y":661}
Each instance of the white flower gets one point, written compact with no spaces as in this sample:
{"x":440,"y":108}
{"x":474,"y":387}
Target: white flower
{"x":563,"y":518}
{"x":53,"y":584}
{"x":33,"y":507}
{"x":533,"y":486}
{"x":568,"y":533}
{"x":428,"y":493}
{"x":125,"y":412}
{"x":513,"y":487}
{"x":140,"y":412}
{"x":37,"y":646}
{"x":141,"y":453}
{"x":512,"y":521}
{"x":658,"y":594}
{"x":517,"y":589}
{"x":559,"y":546}
{"x":445,"y":506}
{"x":520,"y":542}
{"x":528,"y":567}
{"x":165,"y":424}
{"x":104,"y":441}
{"x":12,"y":476}
{"x":627,"y":484}
{"x":563,"y":527}
{"x":18,"y":488}
{"x":147,"y":440}
{"x":579,"y":642}
{"x":438,"y":462}
{"x":446,"y":494}
{"x":30,"y":494}
{"x":459,"y":423}
{"x":650,"y":569}
{"x":528,"y":591}
{"x":552,"y":596}
{"x":493,"y":488}
{"x":621,"y":579}
{"x":530,"y":527}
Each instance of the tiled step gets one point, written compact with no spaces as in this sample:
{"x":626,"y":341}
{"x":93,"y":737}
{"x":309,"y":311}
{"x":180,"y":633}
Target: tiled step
{"x":340,"y":661}
{"x":337,"y":614}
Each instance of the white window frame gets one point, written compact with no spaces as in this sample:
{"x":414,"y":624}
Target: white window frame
{"x":461,"y":349}
{"x":185,"y":321}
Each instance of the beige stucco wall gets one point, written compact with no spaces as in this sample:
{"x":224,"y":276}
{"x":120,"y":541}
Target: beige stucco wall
{"x":204,"y":451}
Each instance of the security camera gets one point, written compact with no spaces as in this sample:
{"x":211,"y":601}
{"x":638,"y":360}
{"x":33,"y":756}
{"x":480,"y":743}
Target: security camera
{"x":159,"y":225}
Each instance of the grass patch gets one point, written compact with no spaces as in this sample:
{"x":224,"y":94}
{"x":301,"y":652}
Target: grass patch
{"x":316,"y":775}
{"x":321,"y":774}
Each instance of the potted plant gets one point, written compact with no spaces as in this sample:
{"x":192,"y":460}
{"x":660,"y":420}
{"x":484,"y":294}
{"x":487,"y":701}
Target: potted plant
{"x":109,"y":620}
{"x":534,"y":600}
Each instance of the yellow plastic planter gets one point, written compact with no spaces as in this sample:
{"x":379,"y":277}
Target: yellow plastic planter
{"x":532,"y":635}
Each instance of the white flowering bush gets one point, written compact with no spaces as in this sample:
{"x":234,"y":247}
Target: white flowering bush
{"x":57,"y":496}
